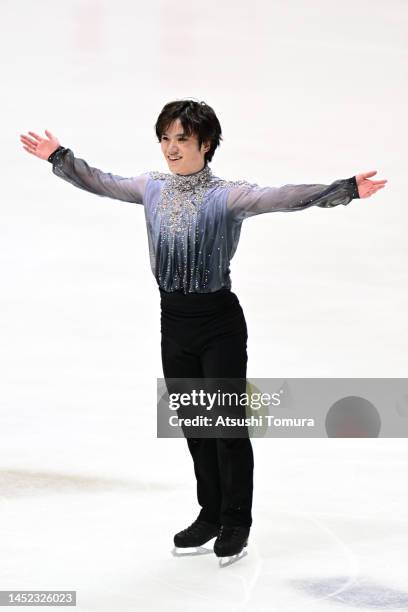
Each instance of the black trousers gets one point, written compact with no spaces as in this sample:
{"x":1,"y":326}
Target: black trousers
{"x":205,"y":335}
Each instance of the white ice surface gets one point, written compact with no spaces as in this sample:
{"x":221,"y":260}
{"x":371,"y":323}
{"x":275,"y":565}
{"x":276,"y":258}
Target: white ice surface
{"x":90,"y":498}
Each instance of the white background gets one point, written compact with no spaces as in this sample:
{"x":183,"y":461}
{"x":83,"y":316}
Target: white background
{"x":306,"y":92}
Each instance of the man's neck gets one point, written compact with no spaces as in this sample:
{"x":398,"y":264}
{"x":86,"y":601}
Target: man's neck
{"x":191,"y":173}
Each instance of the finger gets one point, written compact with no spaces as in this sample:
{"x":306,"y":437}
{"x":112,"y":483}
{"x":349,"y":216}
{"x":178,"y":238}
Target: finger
{"x":375,"y":190}
{"x":28,"y":141}
{"x":28,"y":150}
{"x":379,"y":182}
{"x":49,"y":134}
{"x":36,"y":136}
{"x":371,"y":173}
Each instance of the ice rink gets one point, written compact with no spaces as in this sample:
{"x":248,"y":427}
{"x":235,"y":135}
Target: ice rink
{"x":306,"y":92}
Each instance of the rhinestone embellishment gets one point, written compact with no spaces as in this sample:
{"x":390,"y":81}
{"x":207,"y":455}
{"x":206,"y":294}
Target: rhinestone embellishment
{"x":181,"y":198}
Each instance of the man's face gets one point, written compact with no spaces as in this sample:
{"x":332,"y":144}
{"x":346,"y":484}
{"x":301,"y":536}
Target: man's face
{"x":175,"y":144}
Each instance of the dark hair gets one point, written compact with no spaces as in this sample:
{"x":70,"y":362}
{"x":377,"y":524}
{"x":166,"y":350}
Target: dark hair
{"x":196,"y":118}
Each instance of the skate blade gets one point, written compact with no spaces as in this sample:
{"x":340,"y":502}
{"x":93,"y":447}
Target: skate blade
{"x":232,"y":559}
{"x":199,"y":550}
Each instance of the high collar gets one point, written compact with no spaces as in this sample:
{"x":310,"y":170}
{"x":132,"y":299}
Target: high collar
{"x":186,"y":182}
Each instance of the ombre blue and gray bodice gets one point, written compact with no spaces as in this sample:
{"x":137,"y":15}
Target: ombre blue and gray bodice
{"x":194,"y":221}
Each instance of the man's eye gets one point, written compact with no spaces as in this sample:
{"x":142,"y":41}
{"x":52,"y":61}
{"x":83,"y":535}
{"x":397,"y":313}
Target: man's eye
{"x":180,"y":138}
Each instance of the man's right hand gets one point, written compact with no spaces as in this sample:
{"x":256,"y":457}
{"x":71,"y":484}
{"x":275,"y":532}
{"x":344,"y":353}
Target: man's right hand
{"x":40,"y":147}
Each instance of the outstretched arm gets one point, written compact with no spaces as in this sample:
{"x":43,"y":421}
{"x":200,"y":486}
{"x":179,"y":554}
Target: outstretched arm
{"x":249,"y":199}
{"x":77,"y":172}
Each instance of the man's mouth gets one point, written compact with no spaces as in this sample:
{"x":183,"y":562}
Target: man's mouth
{"x":174,"y":158}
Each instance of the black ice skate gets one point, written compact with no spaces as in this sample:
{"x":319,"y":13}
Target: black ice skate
{"x":197,"y":534}
{"x":231,"y":542}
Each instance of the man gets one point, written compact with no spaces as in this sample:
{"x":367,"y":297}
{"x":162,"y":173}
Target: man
{"x":193,"y":221}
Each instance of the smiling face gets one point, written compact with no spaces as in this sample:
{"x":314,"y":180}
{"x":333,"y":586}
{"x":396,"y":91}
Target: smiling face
{"x":176,"y":144}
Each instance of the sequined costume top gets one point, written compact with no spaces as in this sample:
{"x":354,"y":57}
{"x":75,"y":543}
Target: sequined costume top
{"x":194,"y":221}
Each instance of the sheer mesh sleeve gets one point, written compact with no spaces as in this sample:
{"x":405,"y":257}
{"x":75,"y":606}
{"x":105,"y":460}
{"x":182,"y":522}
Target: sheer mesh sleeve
{"x":77,"y":172}
{"x":250,"y":199}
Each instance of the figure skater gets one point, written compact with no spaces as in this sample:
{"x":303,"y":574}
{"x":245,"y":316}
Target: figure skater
{"x":193,"y":221}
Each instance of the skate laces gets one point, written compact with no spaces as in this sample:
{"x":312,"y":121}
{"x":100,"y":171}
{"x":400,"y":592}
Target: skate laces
{"x":193,"y":528}
{"x":226,"y":531}
{"x":230,"y":532}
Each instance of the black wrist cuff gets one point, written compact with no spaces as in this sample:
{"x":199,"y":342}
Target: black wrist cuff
{"x":53,"y":154}
{"x":353,"y":183}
